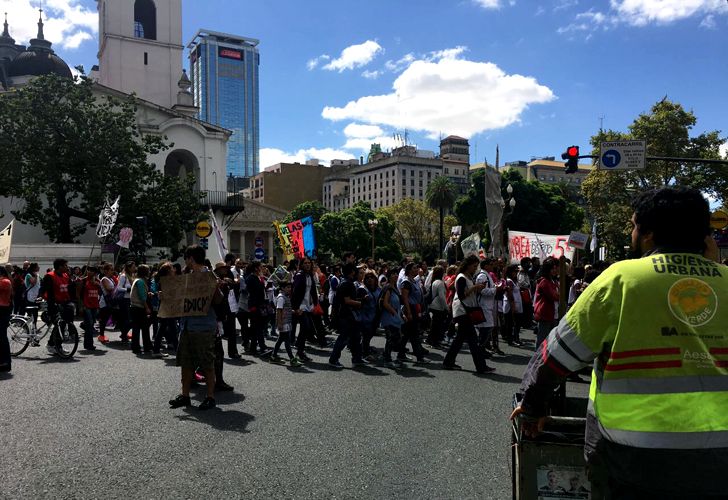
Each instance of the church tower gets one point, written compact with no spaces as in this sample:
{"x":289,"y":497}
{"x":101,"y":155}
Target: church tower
{"x":140,"y":48}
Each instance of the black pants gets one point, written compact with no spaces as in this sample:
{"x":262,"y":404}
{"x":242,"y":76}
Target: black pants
{"x":367,"y":333}
{"x":123,"y":318}
{"x":285,"y":339}
{"x":167,"y":330}
{"x":466,"y":333}
{"x":230,"y":333}
{"x":244,"y":320}
{"x":348,"y":335}
{"x":219,"y":356}
{"x":140,"y":326}
{"x":411,"y":334}
{"x":437,"y":327}
{"x":257,"y":334}
{"x":306,"y":323}
{"x":5,"y":360}
{"x":393,"y":343}
{"x":67,"y":312}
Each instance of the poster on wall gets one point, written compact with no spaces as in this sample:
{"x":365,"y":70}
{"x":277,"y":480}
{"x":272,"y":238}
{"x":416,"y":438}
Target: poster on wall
{"x":521,"y":245}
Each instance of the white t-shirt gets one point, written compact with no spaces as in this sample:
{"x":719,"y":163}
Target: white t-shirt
{"x":517,"y":300}
{"x":281,"y":304}
{"x":306,"y":305}
{"x":572,"y":291}
{"x":487,"y":299}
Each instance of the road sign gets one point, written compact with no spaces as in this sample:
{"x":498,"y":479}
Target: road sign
{"x":203,"y":243}
{"x":719,"y":219}
{"x":259,"y":253}
{"x":623,"y":155}
{"x":258,"y":242}
{"x":203,"y":229}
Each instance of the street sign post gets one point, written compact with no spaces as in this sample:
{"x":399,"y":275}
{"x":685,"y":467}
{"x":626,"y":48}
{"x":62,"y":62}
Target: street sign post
{"x":258,"y":242}
{"x":719,"y":219}
{"x":623,"y":155}
{"x":203,"y":229}
{"x":259,"y":254}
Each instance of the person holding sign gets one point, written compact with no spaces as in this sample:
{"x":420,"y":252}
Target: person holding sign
{"x":197,"y":338}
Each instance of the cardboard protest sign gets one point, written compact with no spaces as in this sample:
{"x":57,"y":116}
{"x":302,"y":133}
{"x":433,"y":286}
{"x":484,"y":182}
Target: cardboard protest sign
{"x":470,"y":245}
{"x":530,"y":245}
{"x":186,"y":295}
{"x":578,"y":240}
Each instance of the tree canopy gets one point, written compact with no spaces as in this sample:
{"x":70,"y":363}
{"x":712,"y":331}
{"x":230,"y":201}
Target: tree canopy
{"x":63,"y":150}
{"x":666,"y":128}
{"x":540,"y":207}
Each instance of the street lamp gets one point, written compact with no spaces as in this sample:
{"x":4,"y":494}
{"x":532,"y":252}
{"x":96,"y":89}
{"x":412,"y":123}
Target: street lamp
{"x":373,"y":225}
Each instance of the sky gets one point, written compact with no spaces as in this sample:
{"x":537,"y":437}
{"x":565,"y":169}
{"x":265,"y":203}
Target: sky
{"x":532,"y":77}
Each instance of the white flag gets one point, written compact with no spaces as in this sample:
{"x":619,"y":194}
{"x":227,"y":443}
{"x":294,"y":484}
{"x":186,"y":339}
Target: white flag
{"x":593,"y":245}
{"x":6,"y":242}
{"x":107,"y":218}
{"x":218,"y":236}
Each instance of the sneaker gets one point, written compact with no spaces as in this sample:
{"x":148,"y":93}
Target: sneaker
{"x":452,"y":367}
{"x":371,"y":358}
{"x":89,"y":348}
{"x":160,"y":355}
{"x":403,"y":358}
{"x":487,"y":369}
{"x":180,"y":401}
{"x":359,"y":362}
{"x":51,"y":349}
{"x":103,"y":339}
{"x":398,"y":363}
{"x":296,"y":362}
{"x":277,"y":360}
{"x":207,"y":404}
{"x":303,"y":357}
{"x":388,"y":364}
{"x":499,"y":352}
{"x":336,"y":364}
{"x":421,"y":361}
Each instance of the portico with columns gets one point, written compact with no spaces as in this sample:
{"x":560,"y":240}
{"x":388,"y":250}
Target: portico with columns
{"x":256,"y":221}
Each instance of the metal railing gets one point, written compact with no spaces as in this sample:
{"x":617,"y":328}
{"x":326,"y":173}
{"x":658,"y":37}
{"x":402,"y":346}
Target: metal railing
{"x":222,"y":200}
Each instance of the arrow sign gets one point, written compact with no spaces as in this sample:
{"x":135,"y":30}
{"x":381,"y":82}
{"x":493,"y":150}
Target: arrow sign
{"x":623,"y":155}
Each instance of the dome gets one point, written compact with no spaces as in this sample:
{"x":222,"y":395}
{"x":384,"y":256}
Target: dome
{"x":37,"y":63}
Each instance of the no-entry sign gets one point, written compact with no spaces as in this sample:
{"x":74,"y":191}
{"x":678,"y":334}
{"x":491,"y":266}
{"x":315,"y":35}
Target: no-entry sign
{"x":719,"y":219}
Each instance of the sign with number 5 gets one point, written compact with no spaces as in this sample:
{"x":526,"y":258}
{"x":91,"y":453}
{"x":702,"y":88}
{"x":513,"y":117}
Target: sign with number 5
{"x":528,"y":245}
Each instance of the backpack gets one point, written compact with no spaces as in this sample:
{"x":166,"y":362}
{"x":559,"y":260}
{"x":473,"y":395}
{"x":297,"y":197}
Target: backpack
{"x":428,"y":296}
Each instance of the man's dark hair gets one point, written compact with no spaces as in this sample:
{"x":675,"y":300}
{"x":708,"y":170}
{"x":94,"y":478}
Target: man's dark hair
{"x":349,"y":269}
{"x":346,"y":255}
{"x":678,"y":217}
{"x":58,"y":263}
{"x":488,"y":261}
{"x":548,"y":264}
{"x":230,"y":257}
{"x":196,"y":253}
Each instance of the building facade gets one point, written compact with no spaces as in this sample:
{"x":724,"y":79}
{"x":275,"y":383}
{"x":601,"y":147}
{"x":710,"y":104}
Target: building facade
{"x":140,"y":48}
{"x":224,"y":73}
{"x":388,"y":178}
{"x":286,"y":185}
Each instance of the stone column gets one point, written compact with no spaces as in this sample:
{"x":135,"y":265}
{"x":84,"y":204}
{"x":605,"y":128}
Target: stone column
{"x":243,"y":255}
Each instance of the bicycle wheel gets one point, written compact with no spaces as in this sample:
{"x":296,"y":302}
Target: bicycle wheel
{"x":66,"y":342}
{"x":19,"y":336}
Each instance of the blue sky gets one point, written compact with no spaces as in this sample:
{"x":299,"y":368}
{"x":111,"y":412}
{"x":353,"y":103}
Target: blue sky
{"x":533,"y":77}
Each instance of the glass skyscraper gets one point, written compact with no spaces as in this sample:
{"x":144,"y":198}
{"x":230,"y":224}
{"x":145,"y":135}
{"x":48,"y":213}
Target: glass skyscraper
{"x":224,"y":74}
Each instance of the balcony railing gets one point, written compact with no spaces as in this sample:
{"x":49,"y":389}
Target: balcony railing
{"x":222,"y":200}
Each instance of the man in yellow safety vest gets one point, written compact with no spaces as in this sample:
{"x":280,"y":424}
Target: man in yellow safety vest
{"x":656,"y":330}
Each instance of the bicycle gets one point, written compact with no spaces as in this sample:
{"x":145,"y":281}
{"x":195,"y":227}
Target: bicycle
{"x":23,"y":332}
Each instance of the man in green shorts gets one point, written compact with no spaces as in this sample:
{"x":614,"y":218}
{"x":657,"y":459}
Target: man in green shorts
{"x":197,"y":341}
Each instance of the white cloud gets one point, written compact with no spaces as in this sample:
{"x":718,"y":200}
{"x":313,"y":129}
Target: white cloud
{"x":67,"y":23}
{"x":565,"y":4}
{"x":355,"y":56}
{"x":372,"y":75}
{"x":400,"y":64}
{"x":493,"y":4}
{"x":646,"y":12}
{"x":449,"y":95}
{"x":364,"y":144}
{"x":271,"y":156}
{"x":313,"y":63}
{"x":708,"y":22}
{"x":362,"y":131}
{"x":643,"y":12}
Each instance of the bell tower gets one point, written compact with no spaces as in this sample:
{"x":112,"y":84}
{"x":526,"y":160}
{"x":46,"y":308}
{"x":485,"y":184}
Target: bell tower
{"x":140,"y":48}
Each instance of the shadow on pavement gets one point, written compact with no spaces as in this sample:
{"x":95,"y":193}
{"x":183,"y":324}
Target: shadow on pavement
{"x":369,"y":370}
{"x":96,"y":352}
{"x":56,"y":359}
{"x":513,"y":359}
{"x":407,"y":372}
{"x":224,"y":420}
{"x":497,"y":377}
{"x":6,"y":375}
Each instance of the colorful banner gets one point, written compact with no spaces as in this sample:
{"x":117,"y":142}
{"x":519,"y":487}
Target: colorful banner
{"x":295,"y":231}
{"x":309,"y":237}
{"x":284,"y":239}
{"x":107,"y":218}
{"x":521,"y":245}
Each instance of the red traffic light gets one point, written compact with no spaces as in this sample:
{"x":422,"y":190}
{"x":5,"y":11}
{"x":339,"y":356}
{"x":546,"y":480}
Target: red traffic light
{"x":573,"y":151}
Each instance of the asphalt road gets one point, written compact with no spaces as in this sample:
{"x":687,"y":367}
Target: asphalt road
{"x":99,"y":426}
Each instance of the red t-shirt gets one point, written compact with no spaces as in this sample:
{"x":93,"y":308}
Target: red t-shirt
{"x":61,"y":292}
{"x":90,"y":294}
{"x":6,"y":292}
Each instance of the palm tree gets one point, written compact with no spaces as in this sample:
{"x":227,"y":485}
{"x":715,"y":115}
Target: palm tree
{"x":441,"y":194}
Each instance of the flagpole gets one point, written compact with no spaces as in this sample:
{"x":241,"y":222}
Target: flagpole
{"x":88,"y":263}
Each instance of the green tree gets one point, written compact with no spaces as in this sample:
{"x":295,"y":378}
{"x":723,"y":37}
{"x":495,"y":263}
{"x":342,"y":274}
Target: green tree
{"x":312,"y":208}
{"x":63,"y":150}
{"x":441,"y":195}
{"x":348,"y":230}
{"x":540,"y":207}
{"x":666,"y":128}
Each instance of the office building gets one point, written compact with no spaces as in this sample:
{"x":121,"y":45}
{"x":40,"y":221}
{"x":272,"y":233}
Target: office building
{"x":388,"y":178}
{"x":224,"y":73}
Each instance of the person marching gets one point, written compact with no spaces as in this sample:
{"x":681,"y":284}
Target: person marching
{"x":660,"y":385}
{"x":284,"y":319}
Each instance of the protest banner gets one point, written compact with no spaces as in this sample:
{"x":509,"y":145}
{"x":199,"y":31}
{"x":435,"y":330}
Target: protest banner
{"x":107,"y":218}
{"x":284,"y":239}
{"x":295,"y":231}
{"x":309,"y":237}
{"x":578,"y":240}
{"x":6,"y":242}
{"x":187,"y":295}
{"x":521,"y":245}
{"x":470,"y":245}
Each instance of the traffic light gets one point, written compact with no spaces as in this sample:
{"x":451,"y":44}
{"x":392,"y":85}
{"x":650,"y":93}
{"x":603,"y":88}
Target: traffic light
{"x":572,"y":159}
